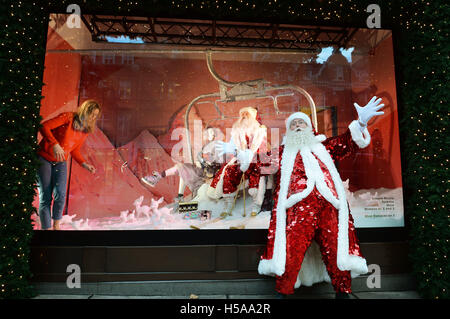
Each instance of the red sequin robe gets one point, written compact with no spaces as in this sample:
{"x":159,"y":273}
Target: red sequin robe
{"x":311,"y":236}
{"x":227,"y":180}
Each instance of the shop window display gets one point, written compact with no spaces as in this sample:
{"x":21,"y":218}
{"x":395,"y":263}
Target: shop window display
{"x":167,"y":110}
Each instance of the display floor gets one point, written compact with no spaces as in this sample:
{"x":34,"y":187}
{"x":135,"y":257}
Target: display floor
{"x":143,"y":218}
{"x":369,"y":207}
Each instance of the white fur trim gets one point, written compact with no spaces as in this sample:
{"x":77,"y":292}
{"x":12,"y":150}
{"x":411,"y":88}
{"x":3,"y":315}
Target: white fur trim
{"x":362,"y":139}
{"x":315,"y":177}
{"x":245,"y":158}
{"x":258,"y":138}
{"x":321,"y":137}
{"x":257,"y":193}
{"x":252,"y":192}
{"x":217,"y":192}
{"x":345,"y":261}
{"x":261,"y":190}
{"x":313,"y":269}
{"x":276,"y":265}
{"x":298,"y":115}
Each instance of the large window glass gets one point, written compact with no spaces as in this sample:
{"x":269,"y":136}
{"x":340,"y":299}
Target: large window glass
{"x":164,"y":107}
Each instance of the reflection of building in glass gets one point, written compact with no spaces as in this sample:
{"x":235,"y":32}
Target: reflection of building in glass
{"x":333,"y":77}
{"x":124,"y":89}
{"x":108,"y":58}
{"x":124,"y":123}
{"x":127,"y":58}
{"x":157,"y":83}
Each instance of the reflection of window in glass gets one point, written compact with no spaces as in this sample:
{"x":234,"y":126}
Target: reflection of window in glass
{"x":93,"y":56}
{"x":323,"y":99}
{"x":124,"y":89}
{"x":102,"y":120}
{"x":339,"y":73}
{"x":127,"y":59}
{"x":108,"y":167}
{"x":337,"y":89}
{"x":109,"y":92}
{"x":83,"y":92}
{"x":124,"y":121}
{"x":108,"y":58}
{"x":308,"y":74}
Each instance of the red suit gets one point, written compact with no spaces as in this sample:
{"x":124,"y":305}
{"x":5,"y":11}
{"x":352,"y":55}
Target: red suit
{"x":230,"y":176}
{"x":311,"y":235}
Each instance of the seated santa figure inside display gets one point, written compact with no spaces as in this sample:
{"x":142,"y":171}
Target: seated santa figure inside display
{"x":311,"y":235}
{"x":248,"y":139}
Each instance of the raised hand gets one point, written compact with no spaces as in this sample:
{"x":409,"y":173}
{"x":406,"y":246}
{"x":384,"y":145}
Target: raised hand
{"x":365,"y":113}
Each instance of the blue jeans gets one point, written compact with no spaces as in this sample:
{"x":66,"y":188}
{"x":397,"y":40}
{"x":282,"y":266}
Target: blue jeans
{"x":52,"y":181}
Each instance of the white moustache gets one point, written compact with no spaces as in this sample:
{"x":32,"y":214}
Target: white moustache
{"x":299,"y":137}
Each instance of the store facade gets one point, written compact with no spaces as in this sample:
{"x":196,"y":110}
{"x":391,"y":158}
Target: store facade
{"x":170,"y":89}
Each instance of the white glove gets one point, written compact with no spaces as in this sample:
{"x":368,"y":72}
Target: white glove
{"x":225,"y":148}
{"x":367,"y":112}
{"x":245,"y":158}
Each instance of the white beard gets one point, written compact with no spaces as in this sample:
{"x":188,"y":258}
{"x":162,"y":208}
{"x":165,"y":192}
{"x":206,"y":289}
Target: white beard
{"x":300,"y":139}
{"x":241,"y":129}
{"x":246,"y":126}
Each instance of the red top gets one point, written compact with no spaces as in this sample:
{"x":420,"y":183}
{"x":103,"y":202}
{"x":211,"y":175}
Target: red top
{"x":59,"y":130}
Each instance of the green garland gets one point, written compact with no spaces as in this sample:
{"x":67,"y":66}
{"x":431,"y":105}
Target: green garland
{"x":424,"y":96}
{"x":22,"y":47}
{"x":422,"y":55}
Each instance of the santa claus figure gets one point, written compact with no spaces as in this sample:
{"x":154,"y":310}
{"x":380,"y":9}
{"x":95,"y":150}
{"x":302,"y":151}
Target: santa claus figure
{"x":311,"y":235}
{"x":248,"y":137}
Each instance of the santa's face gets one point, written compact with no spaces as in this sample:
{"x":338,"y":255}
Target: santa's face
{"x":245,"y":115}
{"x":298,"y":125}
{"x":299,"y":134}
{"x":246,"y":121}
{"x":245,"y":118}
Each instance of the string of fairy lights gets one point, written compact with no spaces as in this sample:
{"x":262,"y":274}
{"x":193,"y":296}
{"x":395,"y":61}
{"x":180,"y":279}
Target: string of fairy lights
{"x":426,"y":173}
{"x":423,"y":93}
{"x":22,"y":54}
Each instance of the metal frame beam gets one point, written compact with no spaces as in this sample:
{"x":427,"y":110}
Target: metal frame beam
{"x":213,"y":33}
